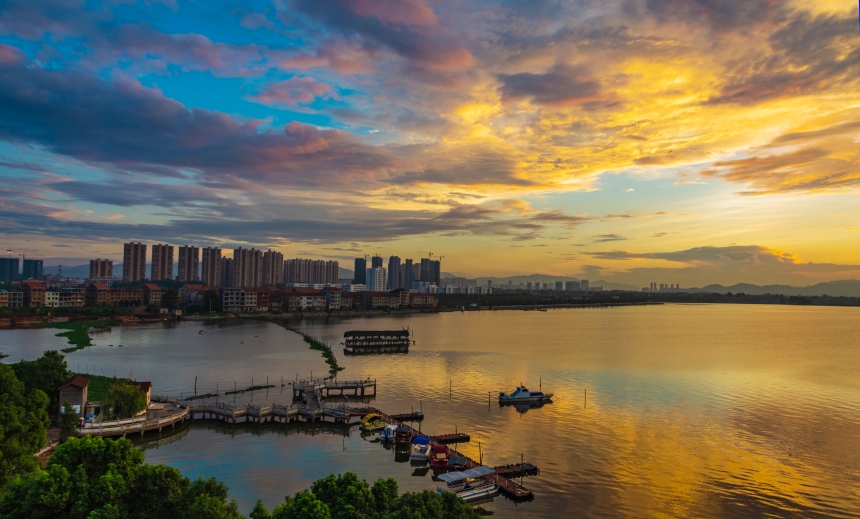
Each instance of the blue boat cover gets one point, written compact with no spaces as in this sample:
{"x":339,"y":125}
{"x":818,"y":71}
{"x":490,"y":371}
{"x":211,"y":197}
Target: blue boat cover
{"x":421,"y":440}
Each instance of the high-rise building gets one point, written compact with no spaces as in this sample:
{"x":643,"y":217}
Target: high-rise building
{"x":559,"y":286}
{"x":101,"y":268}
{"x":583,"y":285}
{"x":376,"y":262}
{"x":33,"y":269}
{"x":529,"y":285}
{"x":247,"y":267}
{"x":211,"y":269}
{"x":572,"y":285}
{"x":430,"y":271}
{"x":395,"y":279}
{"x":310,"y":271}
{"x":8,"y":269}
{"x":273,"y":268}
{"x":189,"y":261}
{"x":376,"y":278}
{"x":133,"y":262}
{"x":360,"y":274}
{"x":162,"y":262}
{"x":226,"y":274}
{"x":408,"y":274}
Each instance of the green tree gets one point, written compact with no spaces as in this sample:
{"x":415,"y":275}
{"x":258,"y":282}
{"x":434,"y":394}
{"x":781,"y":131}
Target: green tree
{"x":45,"y":374}
{"x":260,"y":511}
{"x":385,"y":493}
{"x":305,"y":505}
{"x":346,"y":496}
{"x":23,"y":421}
{"x":69,"y":420}
{"x":124,"y":399}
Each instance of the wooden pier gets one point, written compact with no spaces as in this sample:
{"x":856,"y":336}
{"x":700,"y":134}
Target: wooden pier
{"x":361,"y":342}
{"x":325,"y":388}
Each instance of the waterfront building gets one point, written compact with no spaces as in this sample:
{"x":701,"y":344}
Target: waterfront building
{"x":359,"y":277}
{"x":380,"y":299}
{"x":4,"y":298}
{"x":74,"y":391}
{"x":237,"y":299}
{"x":34,"y":293}
{"x":71,"y":296}
{"x":395,"y":273}
{"x":226,"y":278}
{"x":273,"y":268}
{"x":247,"y":267}
{"x":333,"y":298}
{"x":194,"y":294}
{"x":430,"y":271}
{"x":152,"y":294}
{"x":376,"y":279}
{"x":300,"y":299}
{"x":425,"y":300}
{"x":260,"y":298}
{"x":189,"y":261}
{"x":9,"y":269}
{"x":33,"y":269}
{"x":133,"y":262}
{"x":101,"y":268}
{"x":211,"y":268}
{"x":14,"y":299}
{"x":162,"y":262}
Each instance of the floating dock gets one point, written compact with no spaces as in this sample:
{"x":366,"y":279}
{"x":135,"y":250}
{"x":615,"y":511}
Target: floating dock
{"x":360,"y":342}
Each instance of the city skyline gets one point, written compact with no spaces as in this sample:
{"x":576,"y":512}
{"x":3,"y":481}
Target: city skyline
{"x":628,"y":142}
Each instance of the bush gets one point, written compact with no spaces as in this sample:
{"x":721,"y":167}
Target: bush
{"x":124,"y":399}
{"x":69,"y":420}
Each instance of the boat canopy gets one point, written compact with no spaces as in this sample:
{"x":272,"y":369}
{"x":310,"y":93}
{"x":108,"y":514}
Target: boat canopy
{"x":477,"y":472}
{"x":421,"y":440}
{"x":371,"y":416}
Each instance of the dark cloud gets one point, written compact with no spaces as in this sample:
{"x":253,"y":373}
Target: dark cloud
{"x":720,"y":15}
{"x":705,"y":255}
{"x":602,"y":238}
{"x":560,"y":85}
{"x":129,"y":126}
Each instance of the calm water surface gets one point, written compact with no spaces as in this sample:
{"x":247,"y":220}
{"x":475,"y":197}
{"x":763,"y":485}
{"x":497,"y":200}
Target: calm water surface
{"x":692,"y":411}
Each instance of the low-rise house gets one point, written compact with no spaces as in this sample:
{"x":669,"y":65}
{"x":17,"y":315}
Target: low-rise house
{"x":333,"y":298}
{"x":375,"y":300}
{"x":152,"y":294}
{"x":402,"y":295}
{"x":234,"y":299}
{"x":34,"y":293}
{"x":74,"y":391}
{"x":261,"y":296}
{"x":418,"y":300}
{"x":146,"y":387}
{"x":276,"y":299}
{"x":299,"y":299}
{"x":52,"y":299}
{"x":4,"y":298}
{"x":194,"y":295}
{"x":72,"y":297}
{"x":99,"y":294}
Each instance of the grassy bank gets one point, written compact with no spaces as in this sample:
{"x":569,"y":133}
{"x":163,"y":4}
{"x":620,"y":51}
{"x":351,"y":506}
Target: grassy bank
{"x":77,"y":333}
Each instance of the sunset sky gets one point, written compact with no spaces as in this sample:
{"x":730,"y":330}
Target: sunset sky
{"x":676,"y":141}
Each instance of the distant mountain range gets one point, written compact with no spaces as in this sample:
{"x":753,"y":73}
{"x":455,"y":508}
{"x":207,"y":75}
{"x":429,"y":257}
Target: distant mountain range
{"x":847,"y":288}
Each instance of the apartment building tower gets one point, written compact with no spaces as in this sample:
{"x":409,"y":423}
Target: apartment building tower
{"x":162,"y":262}
{"x":395,"y":273}
{"x":211,"y":269}
{"x":247,"y":267}
{"x":133,"y":262}
{"x":189,"y":261}
{"x":101,"y":268}
{"x":311,"y":271}
{"x":273,"y":268}
{"x":226,"y":275}
{"x":33,"y":269}
{"x":431,"y":271}
{"x":359,"y":277}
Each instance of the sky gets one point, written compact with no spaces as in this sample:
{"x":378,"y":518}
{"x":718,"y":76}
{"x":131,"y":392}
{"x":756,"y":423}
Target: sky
{"x":637,"y":141}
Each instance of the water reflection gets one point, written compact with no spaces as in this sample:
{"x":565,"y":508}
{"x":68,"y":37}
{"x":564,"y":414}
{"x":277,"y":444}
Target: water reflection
{"x":697,"y":411}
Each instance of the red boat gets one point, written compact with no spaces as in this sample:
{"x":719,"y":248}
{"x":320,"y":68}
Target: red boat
{"x":439,"y":457}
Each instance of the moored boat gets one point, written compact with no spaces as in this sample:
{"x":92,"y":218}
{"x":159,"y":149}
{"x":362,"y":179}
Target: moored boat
{"x":372,"y":422}
{"x":420,"y":450}
{"x":521,"y":394}
{"x":470,"y":484}
{"x":387,"y":434}
{"x":439,"y":456}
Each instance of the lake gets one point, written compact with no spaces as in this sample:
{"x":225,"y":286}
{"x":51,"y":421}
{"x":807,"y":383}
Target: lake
{"x":691,"y":410}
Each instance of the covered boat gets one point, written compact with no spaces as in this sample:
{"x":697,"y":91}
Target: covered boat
{"x":387,"y":434}
{"x":523,"y":395}
{"x":469,"y":485}
{"x":372,"y":422}
{"x":420,"y":450}
{"x":439,"y":457}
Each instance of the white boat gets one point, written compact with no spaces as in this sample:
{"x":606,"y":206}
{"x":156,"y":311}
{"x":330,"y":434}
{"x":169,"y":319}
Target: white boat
{"x":470,"y":484}
{"x":420,"y":450}
{"x":523,"y":395}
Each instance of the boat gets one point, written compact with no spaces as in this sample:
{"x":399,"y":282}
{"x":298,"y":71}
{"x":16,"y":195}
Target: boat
{"x":387,"y":434}
{"x":439,"y":457}
{"x":372,"y":422}
{"x":402,"y":436}
{"x":201,"y":332}
{"x":420,"y":450}
{"x":524,"y":395}
{"x":470,"y":484}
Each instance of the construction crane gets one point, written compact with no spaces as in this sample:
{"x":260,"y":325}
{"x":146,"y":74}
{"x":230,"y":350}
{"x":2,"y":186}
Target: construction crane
{"x":429,"y":254}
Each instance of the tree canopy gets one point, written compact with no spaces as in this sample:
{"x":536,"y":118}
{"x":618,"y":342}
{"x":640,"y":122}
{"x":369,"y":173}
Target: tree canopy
{"x":23,"y":420}
{"x":92,"y":478}
{"x":45,"y":374}
{"x":124,"y":399}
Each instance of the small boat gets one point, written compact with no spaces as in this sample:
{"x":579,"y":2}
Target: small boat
{"x":439,"y":457}
{"x":402,"y":436}
{"x":420,"y":450}
{"x":387,"y":434}
{"x":523,"y":395}
{"x":470,"y":484}
{"x":372,"y":422}
{"x":201,"y":332}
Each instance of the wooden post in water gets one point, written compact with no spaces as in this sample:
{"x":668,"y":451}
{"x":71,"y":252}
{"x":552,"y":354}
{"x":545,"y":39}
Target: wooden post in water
{"x":450,"y":389}
{"x":540,"y":383}
{"x":216,"y":393}
{"x":585,"y":400}
{"x":195,"y":386}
